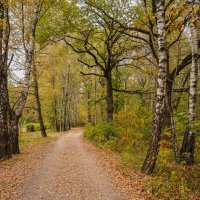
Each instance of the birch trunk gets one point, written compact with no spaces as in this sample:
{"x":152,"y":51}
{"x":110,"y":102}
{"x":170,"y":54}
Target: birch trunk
{"x":188,"y":146}
{"x":28,"y":67}
{"x":152,"y":154}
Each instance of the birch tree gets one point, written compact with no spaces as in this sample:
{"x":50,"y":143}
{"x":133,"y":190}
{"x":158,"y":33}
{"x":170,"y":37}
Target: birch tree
{"x":29,"y":47}
{"x":152,"y":154}
{"x":188,"y":146}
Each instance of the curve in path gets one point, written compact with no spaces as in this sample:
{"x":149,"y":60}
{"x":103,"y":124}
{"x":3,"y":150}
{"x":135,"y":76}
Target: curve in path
{"x":70,"y":171}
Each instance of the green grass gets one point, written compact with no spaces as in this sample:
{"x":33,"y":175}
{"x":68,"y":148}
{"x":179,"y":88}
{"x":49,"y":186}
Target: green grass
{"x":35,"y":137}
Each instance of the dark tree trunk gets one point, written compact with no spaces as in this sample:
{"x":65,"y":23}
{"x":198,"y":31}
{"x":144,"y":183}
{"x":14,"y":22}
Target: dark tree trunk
{"x":14,"y":132}
{"x":75,"y":110}
{"x":168,"y":105}
{"x":5,"y":152}
{"x":65,"y":111}
{"x":68,"y":114}
{"x":39,"y":111}
{"x":65,"y":118}
{"x":168,"y":119}
{"x":109,"y":98}
{"x":68,"y":100}
{"x":151,"y":158}
{"x":89,"y":115}
{"x":178,"y":99}
{"x":188,"y":147}
{"x":56,"y":125}
{"x":95,"y":98}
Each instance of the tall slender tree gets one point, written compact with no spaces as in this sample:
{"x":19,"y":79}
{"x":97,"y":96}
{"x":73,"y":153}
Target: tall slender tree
{"x":152,"y":154}
{"x":188,"y":145}
{"x":38,"y":103}
{"x":29,"y":47}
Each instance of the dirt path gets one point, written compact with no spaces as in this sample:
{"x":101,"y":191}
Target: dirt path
{"x":71,"y":171}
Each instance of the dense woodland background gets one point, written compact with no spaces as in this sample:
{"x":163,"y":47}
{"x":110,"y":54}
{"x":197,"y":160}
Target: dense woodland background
{"x":126,"y":69}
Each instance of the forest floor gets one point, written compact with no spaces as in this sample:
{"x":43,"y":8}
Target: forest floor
{"x":68,"y":168}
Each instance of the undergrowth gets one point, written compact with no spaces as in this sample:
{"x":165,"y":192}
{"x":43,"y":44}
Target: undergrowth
{"x":129,"y":135}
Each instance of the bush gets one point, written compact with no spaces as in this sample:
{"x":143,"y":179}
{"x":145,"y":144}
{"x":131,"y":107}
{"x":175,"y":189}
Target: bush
{"x":102,"y":133}
{"x":32,"y":127}
{"x":89,"y":132}
{"x":48,"y":126}
{"x":134,"y":124}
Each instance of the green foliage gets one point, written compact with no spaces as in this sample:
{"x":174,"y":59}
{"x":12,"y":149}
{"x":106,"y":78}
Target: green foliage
{"x":35,"y":127}
{"x":133,"y":128}
{"x":103,"y":134}
{"x":32,"y":127}
{"x":89,"y":132}
{"x":134,"y":157}
{"x":176,"y":182}
{"x":134,"y":124}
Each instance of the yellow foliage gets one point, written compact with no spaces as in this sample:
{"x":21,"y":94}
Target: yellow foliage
{"x":133,"y":124}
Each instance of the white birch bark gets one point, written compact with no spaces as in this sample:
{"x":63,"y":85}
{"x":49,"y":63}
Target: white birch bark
{"x":30,"y":50}
{"x":193,"y":72}
{"x":188,"y":145}
{"x":152,"y":154}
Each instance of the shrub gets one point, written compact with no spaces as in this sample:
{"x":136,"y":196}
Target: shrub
{"x":134,"y":124}
{"x":48,"y":126}
{"x":89,"y":132}
{"x":105,"y":132}
{"x":102,"y":133}
{"x":32,"y":127}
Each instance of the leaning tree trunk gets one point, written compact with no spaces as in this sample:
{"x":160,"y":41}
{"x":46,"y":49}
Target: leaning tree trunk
{"x":109,"y":97}
{"x":152,"y":154}
{"x":188,"y":145}
{"x":30,"y":50}
{"x":39,"y":110}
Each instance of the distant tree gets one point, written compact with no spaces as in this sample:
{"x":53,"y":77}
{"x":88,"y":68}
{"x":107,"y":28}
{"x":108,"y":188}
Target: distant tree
{"x":101,"y":45}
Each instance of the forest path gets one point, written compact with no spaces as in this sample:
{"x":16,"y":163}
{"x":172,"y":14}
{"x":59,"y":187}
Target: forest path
{"x":71,"y":171}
